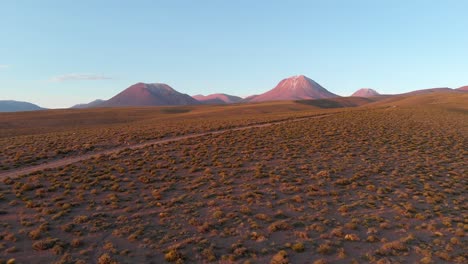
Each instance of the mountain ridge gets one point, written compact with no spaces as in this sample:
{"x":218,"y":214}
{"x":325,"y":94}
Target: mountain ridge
{"x":18,"y":106}
{"x":217,"y":98}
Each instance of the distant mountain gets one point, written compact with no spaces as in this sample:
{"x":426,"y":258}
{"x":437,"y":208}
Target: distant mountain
{"x":430,"y":90}
{"x":149,"y":94}
{"x":294,"y":88}
{"x":17,"y":106}
{"x":94,"y":103}
{"x":463,"y":88}
{"x":219,"y":98}
{"x":249,"y":98}
{"x":365,"y":92}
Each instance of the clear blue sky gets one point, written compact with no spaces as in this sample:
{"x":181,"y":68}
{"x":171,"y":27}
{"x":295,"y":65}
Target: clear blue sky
{"x":63,"y":52}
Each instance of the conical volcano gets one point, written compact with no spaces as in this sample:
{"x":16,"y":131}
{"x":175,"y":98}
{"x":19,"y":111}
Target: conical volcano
{"x":150,"y":94}
{"x":295,"y":88}
{"x":365,"y":92}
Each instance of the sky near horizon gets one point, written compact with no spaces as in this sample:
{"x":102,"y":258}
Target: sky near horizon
{"x":57,"y":53}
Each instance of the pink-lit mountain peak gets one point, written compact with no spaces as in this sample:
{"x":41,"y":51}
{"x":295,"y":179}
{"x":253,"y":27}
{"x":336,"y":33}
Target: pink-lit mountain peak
{"x":152,"y":87}
{"x":297,"y":87}
{"x":365,"y":92}
{"x":150,"y":94}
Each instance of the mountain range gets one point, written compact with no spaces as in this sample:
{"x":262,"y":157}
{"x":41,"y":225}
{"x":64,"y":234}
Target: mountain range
{"x":297,"y":87}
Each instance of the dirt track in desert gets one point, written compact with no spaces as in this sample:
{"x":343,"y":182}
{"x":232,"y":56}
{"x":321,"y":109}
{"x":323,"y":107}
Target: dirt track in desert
{"x":70,"y":160}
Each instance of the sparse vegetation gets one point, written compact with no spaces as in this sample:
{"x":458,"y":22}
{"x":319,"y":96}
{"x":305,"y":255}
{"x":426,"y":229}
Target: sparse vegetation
{"x":377,"y":185}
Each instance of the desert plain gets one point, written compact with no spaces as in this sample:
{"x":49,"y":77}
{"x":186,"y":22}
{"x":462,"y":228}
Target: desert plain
{"x":345,"y":180}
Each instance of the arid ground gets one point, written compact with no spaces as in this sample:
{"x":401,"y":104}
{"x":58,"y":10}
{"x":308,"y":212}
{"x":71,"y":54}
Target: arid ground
{"x":384,"y":181}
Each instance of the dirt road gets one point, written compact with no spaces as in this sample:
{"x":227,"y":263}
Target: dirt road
{"x":70,"y":160}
